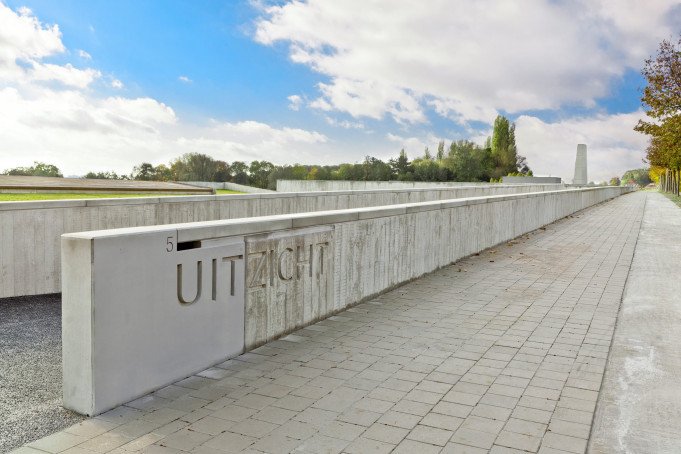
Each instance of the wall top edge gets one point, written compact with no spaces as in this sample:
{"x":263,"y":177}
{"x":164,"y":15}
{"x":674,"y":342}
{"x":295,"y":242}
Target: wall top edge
{"x":76,"y":203}
{"x":192,"y":231}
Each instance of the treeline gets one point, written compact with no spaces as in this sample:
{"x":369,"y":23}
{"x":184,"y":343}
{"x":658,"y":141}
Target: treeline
{"x":462,"y":160}
{"x":662,"y":102}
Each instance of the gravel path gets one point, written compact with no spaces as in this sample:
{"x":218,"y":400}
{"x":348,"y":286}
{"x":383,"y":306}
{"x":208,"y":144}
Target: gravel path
{"x":30,"y":370}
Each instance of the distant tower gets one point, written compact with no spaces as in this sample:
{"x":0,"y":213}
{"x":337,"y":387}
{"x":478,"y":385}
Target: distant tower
{"x":580,"y":166}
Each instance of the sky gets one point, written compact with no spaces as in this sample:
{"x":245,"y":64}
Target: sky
{"x":97,"y":85}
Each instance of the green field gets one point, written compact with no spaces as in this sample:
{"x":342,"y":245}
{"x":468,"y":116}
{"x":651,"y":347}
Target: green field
{"x":673,"y":198}
{"x":27,"y":197}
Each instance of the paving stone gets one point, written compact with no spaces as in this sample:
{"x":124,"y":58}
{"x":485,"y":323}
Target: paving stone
{"x":430,"y":435}
{"x":320,"y":443}
{"x":398,"y":419}
{"x":230,"y":442}
{"x":474,"y":438}
{"x":413,"y":446}
{"x":359,"y":416}
{"x":274,"y":415}
{"x":441,"y":421}
{"x":365,"y":445}
{"x":253,"y":428}
{"x":184,"y":440}
{"x":457,"y":448}
{"x":564,"y":442}
{"x":525,"y":427}
{"x":492,"y":426}
{"x":518,"y":441}
{"x":276,"y":444}
{"x":572,"y":429}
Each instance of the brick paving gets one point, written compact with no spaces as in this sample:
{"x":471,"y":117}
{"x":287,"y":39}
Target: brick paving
{"x":502,"y":352}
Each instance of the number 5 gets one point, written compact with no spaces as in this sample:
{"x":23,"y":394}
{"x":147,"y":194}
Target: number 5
{"x":169,"y":244}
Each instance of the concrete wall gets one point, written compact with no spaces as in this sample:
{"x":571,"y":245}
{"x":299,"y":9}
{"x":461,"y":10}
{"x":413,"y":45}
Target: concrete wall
{"x":30,"y":231}
{"x":339,"y":185}
{"x":228,"y":185}
{"x":530,"y":180}
{"x":144,"y":307}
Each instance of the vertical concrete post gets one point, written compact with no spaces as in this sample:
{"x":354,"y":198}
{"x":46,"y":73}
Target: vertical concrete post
{"x":580,"y":166}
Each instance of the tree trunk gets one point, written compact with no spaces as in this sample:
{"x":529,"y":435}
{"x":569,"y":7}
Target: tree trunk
{"x":663,"y":186}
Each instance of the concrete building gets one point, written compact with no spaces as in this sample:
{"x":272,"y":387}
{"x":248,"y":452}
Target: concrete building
{"x":580,"y":166}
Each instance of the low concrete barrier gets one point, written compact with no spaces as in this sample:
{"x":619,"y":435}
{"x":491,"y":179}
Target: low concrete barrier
{"x":144,"y":307}
{"x":30,"y":231}
{"x":344,"y":185}
{"x":230,"y":186}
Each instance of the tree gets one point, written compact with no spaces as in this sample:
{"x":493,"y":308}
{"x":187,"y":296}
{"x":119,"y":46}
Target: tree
{"x":468,"y":161}
{"x":504,"y":150}
{"x":440,"y":151}
{"x":259,"y":173}
{"x":104,"y":176}
{"x":401,"y":167}
{"x":615,"y":181}
{"x":196,"y":167}
{"x":38,"y":169}
{"x":144,"y":172}
{"x":661,"y":100}
{"x":636,"y":176}
{"x":239,"y":172}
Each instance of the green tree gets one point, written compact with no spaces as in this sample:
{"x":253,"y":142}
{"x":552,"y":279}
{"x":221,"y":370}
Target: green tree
{"x":614,"y":181}
{"x":639,"y":177}
{"x":259,"y":173}
{"x":468,"y":161}
{"x":104,"y":176}
{"x":144,"y":172}
{"x":401,"y":167}
{"x":662,"y":104}
{"x":38,"y":169}
{"x":239,"y":171}
{"x":504,"y":150}
{"x":440,"y":151}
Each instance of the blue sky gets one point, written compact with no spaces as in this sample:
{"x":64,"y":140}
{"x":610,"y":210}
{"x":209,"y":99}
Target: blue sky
{"x":316,"y":82}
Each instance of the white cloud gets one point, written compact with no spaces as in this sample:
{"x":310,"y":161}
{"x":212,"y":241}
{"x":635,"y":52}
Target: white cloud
{"x":51,"y":113}
{"x":295,"y":101}
{"x":185,"y":79}
{"x":65,"y":74}
{"x":345,"y":124}
{"x":24,"y":42}
{"x":414,"y":146}
{"x":251,"y":140}
{"x":612,"y":145}
{"x":84,"y":55}
{"x":466,"y":59}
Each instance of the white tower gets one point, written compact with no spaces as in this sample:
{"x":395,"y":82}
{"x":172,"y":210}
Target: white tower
{"x":580,"y":166}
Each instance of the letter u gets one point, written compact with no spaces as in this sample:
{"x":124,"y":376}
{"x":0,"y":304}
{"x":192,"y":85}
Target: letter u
{"x":180,"y":298}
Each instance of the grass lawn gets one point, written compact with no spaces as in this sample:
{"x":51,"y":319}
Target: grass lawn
{"x":673,"y":198}
{"x":26,"y":197}
{"x":227,"y":191}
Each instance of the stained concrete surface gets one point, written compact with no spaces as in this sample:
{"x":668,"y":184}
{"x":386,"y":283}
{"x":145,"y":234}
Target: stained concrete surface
{"x":30,"y":370}
{"x":639,"y":408}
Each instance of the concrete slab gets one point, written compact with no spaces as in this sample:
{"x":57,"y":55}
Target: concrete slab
{"x":639,"y":408}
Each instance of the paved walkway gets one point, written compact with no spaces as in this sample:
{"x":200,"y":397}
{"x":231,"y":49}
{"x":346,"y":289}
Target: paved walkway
{"x":502,"y":352}
{"x":639,"y":408}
